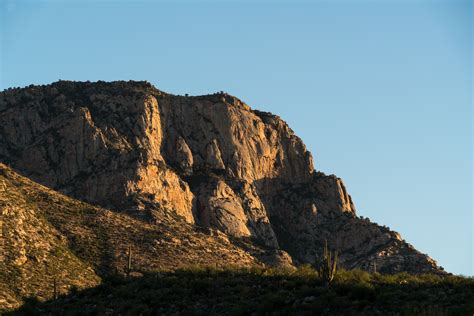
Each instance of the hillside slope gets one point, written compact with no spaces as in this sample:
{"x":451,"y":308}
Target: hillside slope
{"x":46,"y":235}
{"x":207,"y":161}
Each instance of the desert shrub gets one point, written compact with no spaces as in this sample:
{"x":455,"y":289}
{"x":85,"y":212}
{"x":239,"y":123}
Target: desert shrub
{"x":271,"y":302}
{"x":30,"y":306}
{"x":353,"y":276}
{"x":305,"y":271}
{"x":362,"y":291}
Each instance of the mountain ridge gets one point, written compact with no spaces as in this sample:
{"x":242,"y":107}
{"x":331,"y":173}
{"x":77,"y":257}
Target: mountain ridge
{"x":208,"y":161}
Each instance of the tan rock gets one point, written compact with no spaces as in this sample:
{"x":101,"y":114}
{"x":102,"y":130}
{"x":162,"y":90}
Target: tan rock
{"x":220,"y":207}
{"x":213,"y":156}
{"x":184,"y":156}
{"x":210,"y":160}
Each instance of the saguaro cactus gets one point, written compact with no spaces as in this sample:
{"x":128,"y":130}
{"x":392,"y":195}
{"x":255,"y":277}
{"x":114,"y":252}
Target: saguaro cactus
{"x":128,"y":269}
{"x":55,"y":289}
{"x":327,"y":269}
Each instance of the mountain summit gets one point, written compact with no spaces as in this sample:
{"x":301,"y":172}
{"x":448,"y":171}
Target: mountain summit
{"x":208,"y":162}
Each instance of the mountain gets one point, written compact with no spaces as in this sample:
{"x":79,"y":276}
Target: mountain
{"x":90,"y":168}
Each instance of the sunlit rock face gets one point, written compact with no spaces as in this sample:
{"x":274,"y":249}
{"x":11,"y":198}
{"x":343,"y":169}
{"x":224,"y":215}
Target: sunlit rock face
{"x":209,"y":160}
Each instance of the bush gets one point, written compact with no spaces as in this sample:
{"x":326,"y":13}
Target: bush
{"x":353,"y":276}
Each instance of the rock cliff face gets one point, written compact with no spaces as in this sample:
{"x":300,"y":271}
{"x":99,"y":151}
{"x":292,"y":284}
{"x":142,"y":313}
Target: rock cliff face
{"x":208,"y":160}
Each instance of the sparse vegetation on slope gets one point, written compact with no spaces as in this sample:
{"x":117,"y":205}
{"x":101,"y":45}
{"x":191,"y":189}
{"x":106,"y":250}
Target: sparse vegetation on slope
{"x":48,"y":236}
{"x":210,"y":291}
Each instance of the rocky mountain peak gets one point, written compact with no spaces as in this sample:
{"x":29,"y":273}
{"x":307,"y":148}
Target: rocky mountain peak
{"x":207,"y":160}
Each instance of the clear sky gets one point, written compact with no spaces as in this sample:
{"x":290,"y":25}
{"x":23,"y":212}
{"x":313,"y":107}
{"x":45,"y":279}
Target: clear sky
{"x":380,"y":91}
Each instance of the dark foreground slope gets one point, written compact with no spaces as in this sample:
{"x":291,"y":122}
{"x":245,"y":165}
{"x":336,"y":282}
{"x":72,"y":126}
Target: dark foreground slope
{"x":257,"y":291}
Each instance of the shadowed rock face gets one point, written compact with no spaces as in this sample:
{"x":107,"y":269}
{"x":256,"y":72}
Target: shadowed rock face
{"x":208,"y":159}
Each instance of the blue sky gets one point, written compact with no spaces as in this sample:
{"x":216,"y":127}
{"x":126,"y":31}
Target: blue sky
{"x":380,"y":91}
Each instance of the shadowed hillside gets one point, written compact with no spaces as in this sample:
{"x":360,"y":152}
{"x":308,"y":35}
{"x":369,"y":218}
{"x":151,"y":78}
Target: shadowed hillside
{"x":257,"y":291}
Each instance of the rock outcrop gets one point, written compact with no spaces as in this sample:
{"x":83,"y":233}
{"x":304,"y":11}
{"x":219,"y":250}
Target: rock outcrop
{"x":208,"y":160}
